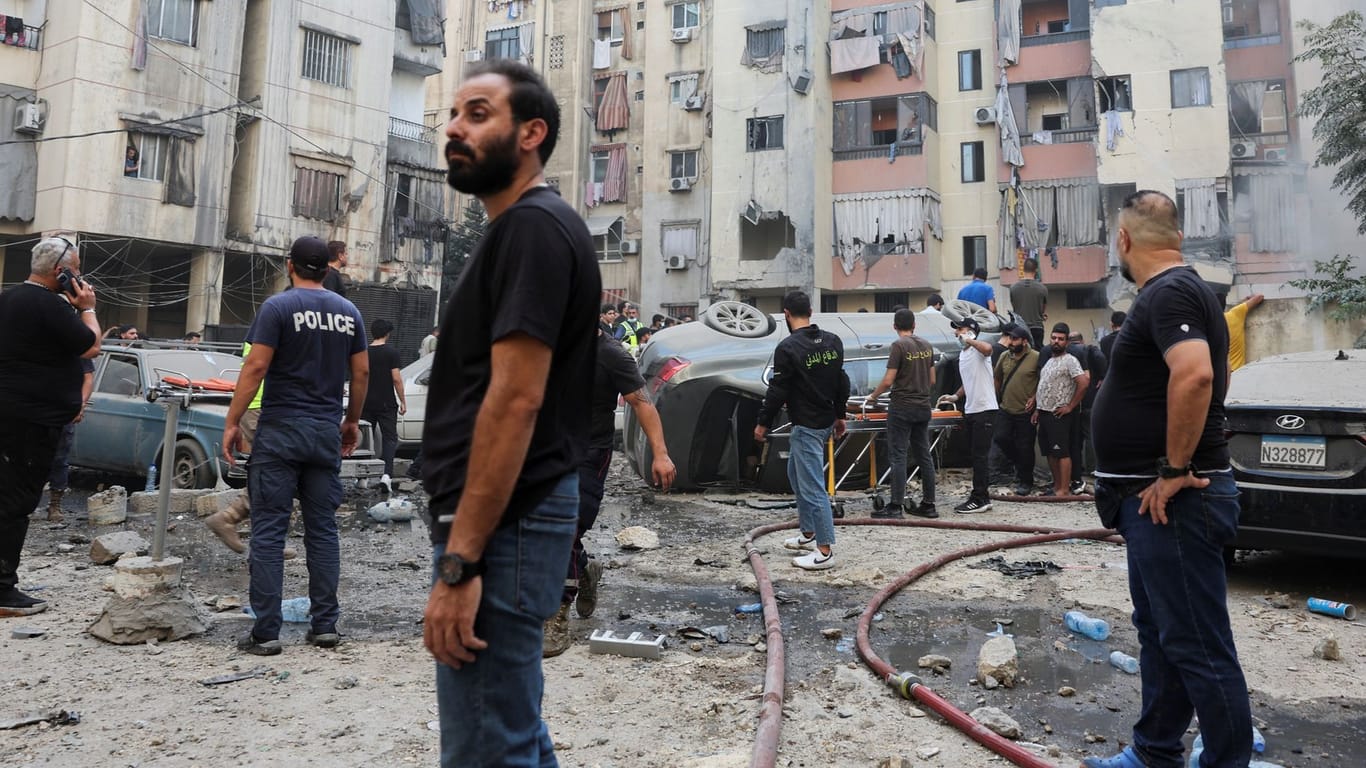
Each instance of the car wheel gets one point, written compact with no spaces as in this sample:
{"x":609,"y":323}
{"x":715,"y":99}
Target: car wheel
{"x":736,"y":318}
{"x":961,"y":309}
{"x":190,"y":466}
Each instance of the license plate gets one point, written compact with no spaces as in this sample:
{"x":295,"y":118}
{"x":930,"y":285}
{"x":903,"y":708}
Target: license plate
{"x":1294,"y":452}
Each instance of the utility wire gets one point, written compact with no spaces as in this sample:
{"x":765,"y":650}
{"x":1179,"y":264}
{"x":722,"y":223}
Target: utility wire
{"x":135,"y":128}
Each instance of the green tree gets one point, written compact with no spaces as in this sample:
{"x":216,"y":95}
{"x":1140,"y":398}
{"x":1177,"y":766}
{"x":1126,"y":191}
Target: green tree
{"x":1339,"y":103}
{"x":460,"y":243}
{"x":1335,"y":285}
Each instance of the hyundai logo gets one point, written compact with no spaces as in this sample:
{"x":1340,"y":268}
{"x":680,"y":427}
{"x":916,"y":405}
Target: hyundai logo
{"x":1290,"y":421}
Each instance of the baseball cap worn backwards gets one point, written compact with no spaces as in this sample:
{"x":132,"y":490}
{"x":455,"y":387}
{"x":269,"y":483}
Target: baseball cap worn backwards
{"x":311,"y":253}
{"x":966,"y":322}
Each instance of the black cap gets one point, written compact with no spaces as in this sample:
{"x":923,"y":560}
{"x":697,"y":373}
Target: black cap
{"x":310,"y":253}
{"x":1016,"y":332}
{"x":966,"y":322}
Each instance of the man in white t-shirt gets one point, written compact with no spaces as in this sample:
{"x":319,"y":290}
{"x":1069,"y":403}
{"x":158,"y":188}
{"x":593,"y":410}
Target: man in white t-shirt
{"x":1062,"y":386}
{"x":978,"y":395}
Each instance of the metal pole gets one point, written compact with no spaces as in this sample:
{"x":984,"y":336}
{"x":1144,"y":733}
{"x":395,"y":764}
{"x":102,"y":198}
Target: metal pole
{"x":166,"y":477}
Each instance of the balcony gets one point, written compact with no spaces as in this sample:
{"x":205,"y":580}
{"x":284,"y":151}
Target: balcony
{"x":418,"y":59}
{"x":412,"y":143}
{"x":886,"y":265}
{"x":1068,"y":136}
{"x":31,"y":38}
{"x":1054,"y":38}
{"x":882,"y":153}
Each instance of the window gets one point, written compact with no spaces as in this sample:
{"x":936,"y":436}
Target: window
{"x":149,"y":156}
{"x":764,"y":47}
{"x":598,"y":163}
{"x":683,"y":165}
{"x":1055,"y":122}
{"x":764,"y":133}
{"x":1115,"y":94}
{"x":679,"y":311}
{"x":1057,"y":25}
{"x":875,"y":123}
{"x":402,"y":19}
{"x":929,"y":21}
{"x":974,"y":253}
{"x":1190,"y":87}
{"x":403,"y":197}
{"x":610,"y":27}
{"x":121,"y":376}
{"x":1245,"y":19}
{"x":173,"y":20}
{"x":686,"y":16}
{"x":879,"y":22}
{"x":1087,"y":298}
{"x":830,"y":302}
{"x":679,"y":240}
{"x":970,"y":70}
{"x":503,"y":43}
{"x":327,"y":58}
{"x":1257,"y":106}
{"x":887,"y":302}
{"x":317,"y":194}
{"x":974,"y":161}
{"x":681,"y":88}
{"x":608,"y":244}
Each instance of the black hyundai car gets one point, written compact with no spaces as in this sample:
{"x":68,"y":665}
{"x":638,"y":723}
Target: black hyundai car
{"x":1297,"y":433}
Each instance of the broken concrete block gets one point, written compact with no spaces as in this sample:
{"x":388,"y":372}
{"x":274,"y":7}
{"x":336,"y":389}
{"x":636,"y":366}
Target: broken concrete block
{"x":635,"y":644}
{"x":1328,"y":649}
{"x":182,"y":501}
{"x":162,"y":615}
{"x":111,"y":546}
{"x":135,"y":577}
{"x":215,"y":502}
{"x":998,"y":660}
{"x":997,"y":721}
{"x":935,"y":663}
{"x":108,"y":507}
{"x":638,"y":537}
{"x":26,"y":633}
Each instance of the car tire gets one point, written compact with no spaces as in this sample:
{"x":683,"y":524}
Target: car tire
{"x":190,"y":466}
{"x":736,"y":318}
{"x":961,"y":309}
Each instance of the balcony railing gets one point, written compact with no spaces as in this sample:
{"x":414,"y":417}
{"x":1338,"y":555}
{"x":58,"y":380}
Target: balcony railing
{"x":883,"y":151}
{"x":1067,"y":136}
{"x":31,"y":38}
{"x":1029,"y":41}
{"x":406,"y":129}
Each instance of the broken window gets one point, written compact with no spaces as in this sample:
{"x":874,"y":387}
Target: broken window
{"x":1257,"y":106}
{"x":974,"y":161}
{"x":502,"y":43}
{"x":763,"y":240}
{"x":175,"y":20}
{"x":1190,"y":87}
{"x":764,"y":46}
{"x":683,"y":165}
{"x":970,"y":70}
{"x":764,"y":133}
{"x":317,"y":194}
{"x":403,"y":196}
{"x":1245,"y":19}
{"x":1055,"y":122}
{"x":327,"y":58}
{"x":608,"y":243}
{"x":875,"y":123}
{"x":148,"y":157}
{"x":1115,"y":94}
{"x":974,"y":253}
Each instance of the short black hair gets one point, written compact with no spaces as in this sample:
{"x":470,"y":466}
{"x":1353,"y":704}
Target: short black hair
{"x":1031,"y":265}
{"x":193,"y":335}
{"x":935,"y":300}
{"x":657,"y":319}
{"x":530,"y":98}
{"x":980,"y":273}
{"x":607,"y":308}
{"x":380,"y":328}
{"x":904,"y":320}
{"x":1117,"y":318}
{"x":1062,"y":328}
{"x":797,"y":304}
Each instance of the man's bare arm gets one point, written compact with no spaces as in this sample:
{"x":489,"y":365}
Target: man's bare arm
{"x":886,"y":384}
{"x":663,"y":470}
{"x":248,"y":381}
{"x":1189,"y":390}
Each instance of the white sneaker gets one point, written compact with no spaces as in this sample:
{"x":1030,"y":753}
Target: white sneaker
{"x":388,"y":485}
{"x":815,"y":561}
{"x":800,"y":543}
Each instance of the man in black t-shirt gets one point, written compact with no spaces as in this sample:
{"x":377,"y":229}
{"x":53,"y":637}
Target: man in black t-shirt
{"x":507,"y":421}
{"x":1163,"y":480}
{"x":44,"y":332}
{"x":335,"y":280}
{"x":615,"y":376}
{"x":910,"y":377}
{"x":384,"y":399}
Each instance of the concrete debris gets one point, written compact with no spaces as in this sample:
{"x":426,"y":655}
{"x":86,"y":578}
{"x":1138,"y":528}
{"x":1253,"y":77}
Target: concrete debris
{"x":161,"y":615}
{"x":394,"y":510}
{"x":64,"y":548}
{"x":110,"y":547}
{"x":925,"y":753}
{"x":1328,"y":649}
{"x":182,"y":501}
{"x":999,"y":661}
{"x":997,"y":721}
{"x":26,"y":633}
{"x":224,"y":603}
{"x":1278,"y":600}
{"x":233,"y":677}
{"x":935,"y":663}
{"x":345,"y":682}
{"x":55,"y":717}
{"x":215,"y":502}
{"x":638,"y":537}
{"x":108,"y":507}
{"x":1067,"y":691}
{"x":894,"y":762}
{"x":832,"y":633}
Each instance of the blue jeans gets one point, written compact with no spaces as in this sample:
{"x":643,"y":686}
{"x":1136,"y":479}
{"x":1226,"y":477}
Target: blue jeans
{"x":288,"y":457}
{"x":910,"y":428}
{"x":806,"y":473}
{"x":58,"y":478}
{"x":1187,"y":657}
{"x":491,"y":708}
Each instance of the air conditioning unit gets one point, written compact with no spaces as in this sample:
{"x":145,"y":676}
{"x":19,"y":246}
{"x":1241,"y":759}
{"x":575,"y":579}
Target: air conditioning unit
{"x":680,"y":184}
{"x":693,"y":102}
{"x":1276,"y":155}
{"x":682,"y":35}
{"x":28,"y":118}
{"x":985,"y":115}
{"x":803,"y":82}
{"x":1244,"y":150}
{"x":630,"y":246}
{"x":676,"y":262}
{"x":752,"y":212}
{"x":475,"y":55}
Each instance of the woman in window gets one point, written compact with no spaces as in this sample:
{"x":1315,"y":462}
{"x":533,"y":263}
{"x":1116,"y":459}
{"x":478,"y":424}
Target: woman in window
{"x":130,"y":162}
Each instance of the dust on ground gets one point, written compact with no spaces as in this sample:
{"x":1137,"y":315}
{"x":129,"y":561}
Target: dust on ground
{"x":370,"y":702}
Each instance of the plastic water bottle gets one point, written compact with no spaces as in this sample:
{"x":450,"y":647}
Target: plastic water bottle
{"x":1258,"y":741}
{"x":295,"y":610}
{"x":1096,"y":629}
{"x":151,"y":478}
{"x":1197,"y":747}
{"x":1258,"y":746}
{"x":1122,"y":660}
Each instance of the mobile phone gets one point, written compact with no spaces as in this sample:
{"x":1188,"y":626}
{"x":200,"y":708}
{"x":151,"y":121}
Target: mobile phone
{"x":67,"y":281}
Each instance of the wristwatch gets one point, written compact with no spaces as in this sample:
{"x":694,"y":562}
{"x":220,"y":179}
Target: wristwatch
{"x":1167,"y":472}
{"x":454,"y":569}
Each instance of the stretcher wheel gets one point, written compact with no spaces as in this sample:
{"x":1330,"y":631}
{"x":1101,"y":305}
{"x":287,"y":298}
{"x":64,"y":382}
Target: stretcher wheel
{"x":878,"y":502}
{"x":838,"y":509}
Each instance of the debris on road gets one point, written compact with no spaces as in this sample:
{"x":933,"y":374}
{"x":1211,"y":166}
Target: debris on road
{"x":935,"y":663}
{"x":1327,"y":649}
{"x":637,"y":537}
{"x":26,"y":633}
{"x":998,"y":661}
{"x":997,"y":721}
{"x":634,"y":644}
{"x":110,"y":547}
{"x":233,"y":677}
{"x":1020,"y":569}
{"x":55,"y":717}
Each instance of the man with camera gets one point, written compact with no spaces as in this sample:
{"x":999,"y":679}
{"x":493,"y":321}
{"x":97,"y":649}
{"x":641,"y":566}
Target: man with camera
{"x":47,"y":324}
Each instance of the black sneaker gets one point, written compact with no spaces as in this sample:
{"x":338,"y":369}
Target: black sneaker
{"x":587,"y":600}
{"x":255,"y":647}
{"x":16,"y":603}
{"x":1023,"y":490}
{"x":972,"y":505}
{"x":1078,"y":488}
{"x":328,"y":639}
{"x":926,"y":510}
{"x":889,"y":512}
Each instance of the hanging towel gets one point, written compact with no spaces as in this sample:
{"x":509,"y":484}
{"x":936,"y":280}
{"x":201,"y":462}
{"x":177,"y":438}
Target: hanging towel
{"x":1114,"y":128}
{"x":853,"y":53}
{"x":1043,"y":137}
{"x":602,"y":54}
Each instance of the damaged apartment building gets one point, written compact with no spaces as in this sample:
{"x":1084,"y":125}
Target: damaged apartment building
{"x":184,"y":144}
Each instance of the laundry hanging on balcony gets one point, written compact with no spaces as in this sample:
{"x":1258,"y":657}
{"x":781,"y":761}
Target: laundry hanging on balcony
{"x":426,"y":22}
{"x":871,"y":225}
{"x":1008,"y":32}
{"x":1005,"y":123}
{"x":854,"y":53}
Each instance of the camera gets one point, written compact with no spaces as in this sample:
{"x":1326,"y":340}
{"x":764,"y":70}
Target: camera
{"x":67,"y":281}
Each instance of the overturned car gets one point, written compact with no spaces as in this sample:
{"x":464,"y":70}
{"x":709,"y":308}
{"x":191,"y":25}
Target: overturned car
{"x":708,"y":379}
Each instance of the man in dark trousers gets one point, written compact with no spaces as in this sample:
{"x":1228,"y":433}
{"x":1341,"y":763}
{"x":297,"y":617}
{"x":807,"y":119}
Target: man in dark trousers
{"x":45,"y":331}
{"x":615,"y":375}
{"x":1017,"y":378}
{"x":384,"y":400}
{"x":1164,"y":482}
{"x":507,"y":422}
{"x":1029,"y":299}
{"x":303,"y":343}
{"x":1083,"y":452}
{"x":978,"y":396}
{"x":910,"y":377}
{"x":808,"y":378}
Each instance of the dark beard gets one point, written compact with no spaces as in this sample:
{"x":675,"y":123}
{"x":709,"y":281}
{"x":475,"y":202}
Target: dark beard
{"x":1124,"y":271}
{"x":489,"y":175}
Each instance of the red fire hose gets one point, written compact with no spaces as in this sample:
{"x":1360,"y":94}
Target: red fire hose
{"x":765,"y":754}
